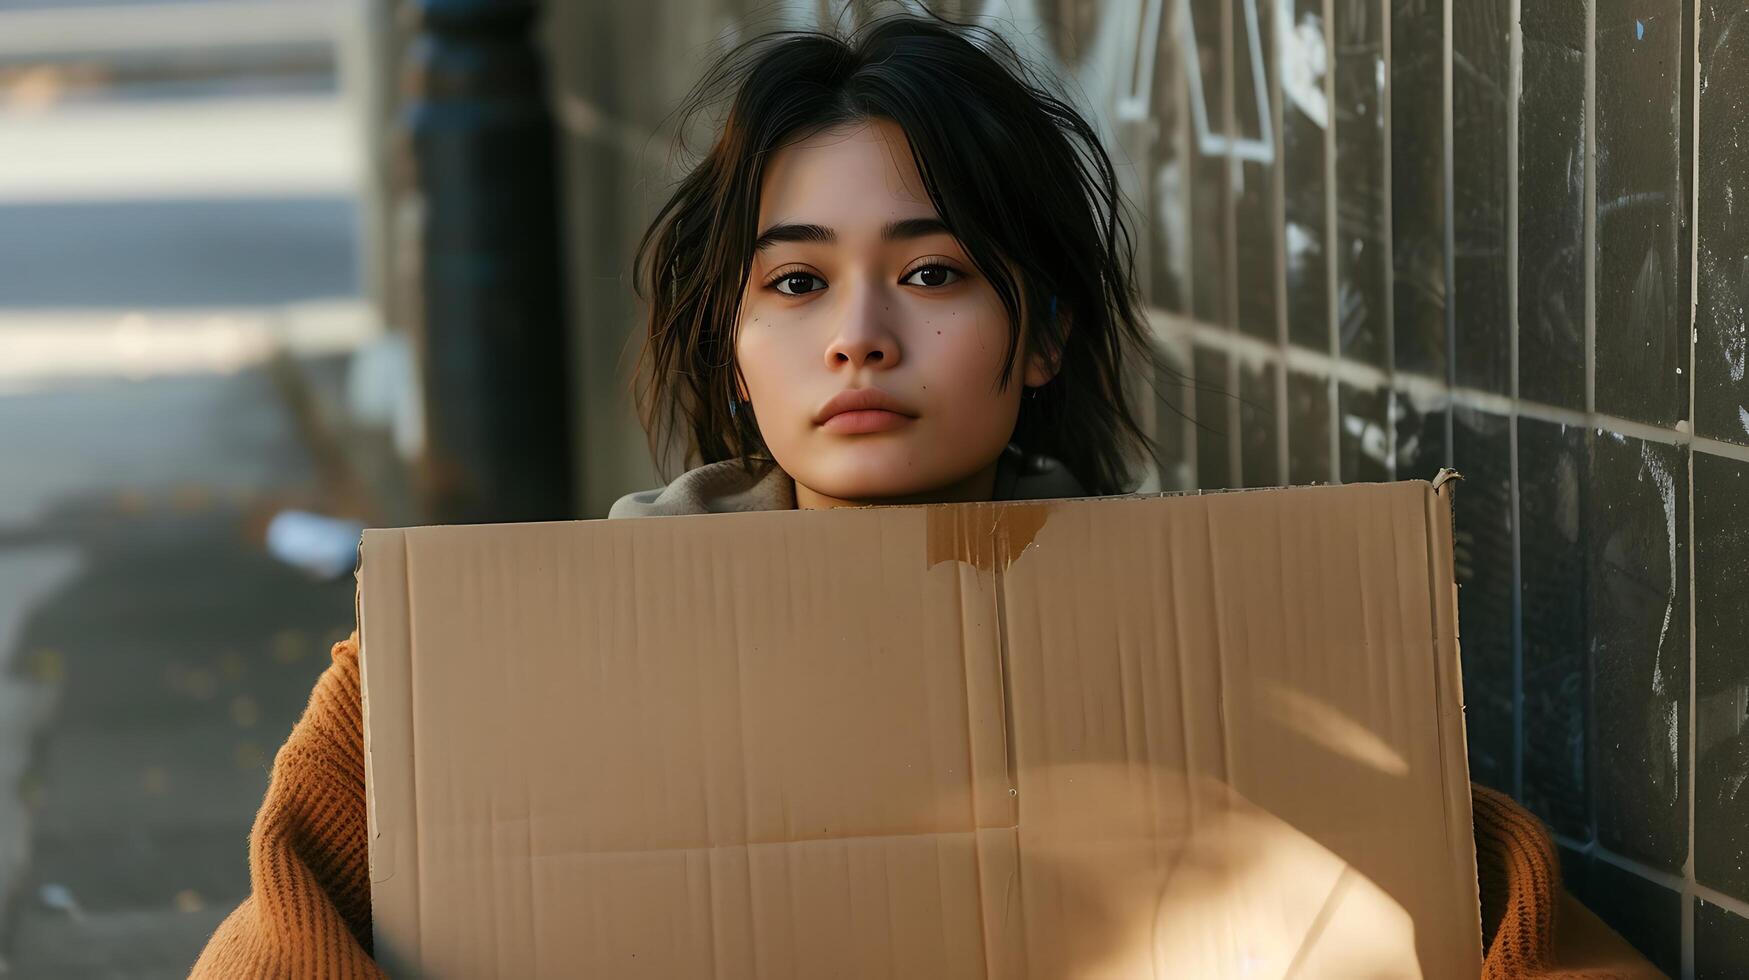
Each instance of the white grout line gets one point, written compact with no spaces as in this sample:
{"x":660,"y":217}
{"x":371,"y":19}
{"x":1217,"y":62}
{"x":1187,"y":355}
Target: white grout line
{"x":1590,"y":234}
{"x":1676,"y":883}
{"x":1713,"y":896}
{"x":1447,"y":160}
{"x":1388,"y":232}
{"x":1278,"y":184}
{"x":1232,"y":403}
{"x":1334,"y":422}
{"x":1718,"y":447}
{"x":1689,"y":871}
{"x":1515,"y":79}
{"x":1181,"y":104}
{"x":1182,"y":92}
{"x":1250,"y":350}
{"x":1592,"y":849}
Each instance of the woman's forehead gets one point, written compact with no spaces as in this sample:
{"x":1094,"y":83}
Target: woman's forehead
{"x":851,"y":179}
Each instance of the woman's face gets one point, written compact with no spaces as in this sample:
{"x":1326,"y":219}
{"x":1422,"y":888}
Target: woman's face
{"x":857,"y":287}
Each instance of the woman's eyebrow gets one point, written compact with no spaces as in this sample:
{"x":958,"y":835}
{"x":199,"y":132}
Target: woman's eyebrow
{"x":893,"y":231}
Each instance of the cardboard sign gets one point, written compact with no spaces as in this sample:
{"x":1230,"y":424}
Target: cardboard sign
{"x":1205,"y":736}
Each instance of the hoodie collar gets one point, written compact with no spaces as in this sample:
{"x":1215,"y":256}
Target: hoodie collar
{"x":727,"y":487}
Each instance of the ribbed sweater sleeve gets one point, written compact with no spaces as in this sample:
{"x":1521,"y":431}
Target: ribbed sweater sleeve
{"x":309,"y":914}
{"x":1531,"y":928}
{"x":309,"y":911}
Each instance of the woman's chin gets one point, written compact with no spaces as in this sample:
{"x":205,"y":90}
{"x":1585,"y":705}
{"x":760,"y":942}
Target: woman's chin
{"x":887,"y":468}
{"x":852,"y":489}
{"x":879,"y":481}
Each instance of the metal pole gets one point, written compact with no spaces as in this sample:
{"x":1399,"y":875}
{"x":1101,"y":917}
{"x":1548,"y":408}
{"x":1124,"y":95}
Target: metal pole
{"x":489,"y":326}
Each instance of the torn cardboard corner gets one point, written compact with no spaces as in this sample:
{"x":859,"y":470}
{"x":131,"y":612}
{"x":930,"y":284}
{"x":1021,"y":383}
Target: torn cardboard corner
{"x":1214,"y":736}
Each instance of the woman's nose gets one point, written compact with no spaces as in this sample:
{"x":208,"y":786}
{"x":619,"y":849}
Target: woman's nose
{"x":865,"y":337}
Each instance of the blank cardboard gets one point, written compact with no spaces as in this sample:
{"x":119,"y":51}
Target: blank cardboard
{"x":1203,"y":736}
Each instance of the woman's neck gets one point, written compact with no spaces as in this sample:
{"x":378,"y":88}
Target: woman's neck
{"x":977,"y":487}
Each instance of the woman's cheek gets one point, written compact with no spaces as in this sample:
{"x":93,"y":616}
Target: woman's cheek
{"x":775,"y":372}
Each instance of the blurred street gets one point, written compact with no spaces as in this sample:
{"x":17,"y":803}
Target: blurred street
{"x":179,"y":300}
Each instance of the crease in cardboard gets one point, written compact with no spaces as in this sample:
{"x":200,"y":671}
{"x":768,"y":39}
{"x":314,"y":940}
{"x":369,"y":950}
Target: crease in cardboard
{"x":390,"y":739}
{"x":1221,"y":645}
{"x":1441,"y":544}
{"x":986,"y":540}
{"x":373,"y":826}
{"x":1005,"y":671}
{"x":1136,"y":586}
{"x":969,"y":685}
{"x":413,"y":743}
{"x":1430,"y":529}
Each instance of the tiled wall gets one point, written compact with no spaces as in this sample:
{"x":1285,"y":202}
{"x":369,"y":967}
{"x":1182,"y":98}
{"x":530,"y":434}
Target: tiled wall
{"x":1502,"y":235}
{"x":1379,"y":237}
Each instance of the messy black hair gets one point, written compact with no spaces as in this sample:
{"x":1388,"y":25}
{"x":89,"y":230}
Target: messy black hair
{"x":1017,"y":174}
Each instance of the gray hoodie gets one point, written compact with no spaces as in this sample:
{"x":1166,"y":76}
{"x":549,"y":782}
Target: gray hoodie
{"x":724,"y":487}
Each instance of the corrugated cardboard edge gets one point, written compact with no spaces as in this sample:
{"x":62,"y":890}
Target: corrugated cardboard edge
{"x":1453,"y":741}
{"x":986,"y":536}
{"x":988,"y":543}
{"x":385,"y":644}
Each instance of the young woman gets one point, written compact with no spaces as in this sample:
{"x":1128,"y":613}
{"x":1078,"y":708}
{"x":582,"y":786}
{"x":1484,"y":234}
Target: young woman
{"x":901,"y":274}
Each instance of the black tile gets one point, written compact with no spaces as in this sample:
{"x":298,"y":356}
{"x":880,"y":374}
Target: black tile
{"x":1642,"y":334}
{"x":1482,"y":446}
{"x":1481,"y":83}
{"x":1173,"y":396}
{"x":1256,"y":208}
{"x":1551,"y":204}
{"x":1168,"y":193}
{"x":1721,"y":943}
{"x":1645,"y":913}
{"x":1210,"y":182}
{"x":1418,"y":186}
{"x":1721,"y":400}
{"x":1362,"y":263}
{"x":1721,"y":671}
{"x":1551,"y":471}
{"x":1687,"y":78}
{"x":1259,"y":459}
{"x":1364,"y":439}
{"x":1215,"y":415}
{"x":1308,"y":429}
{"x":1305,"y":118}
{"x":1420,"y":433}
{"x":1638,"y":632}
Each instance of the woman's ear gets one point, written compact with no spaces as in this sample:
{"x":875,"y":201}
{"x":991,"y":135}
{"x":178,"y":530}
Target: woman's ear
{"x":1039,"y":371}
{"x":1040,"y":368}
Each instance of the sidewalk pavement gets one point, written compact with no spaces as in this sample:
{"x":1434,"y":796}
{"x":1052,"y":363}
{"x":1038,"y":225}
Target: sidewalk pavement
{"x":165,"y":653}
{"x":172,"y":372}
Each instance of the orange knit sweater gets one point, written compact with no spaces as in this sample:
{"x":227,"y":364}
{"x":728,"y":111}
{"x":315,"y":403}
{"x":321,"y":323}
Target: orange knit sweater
{"x":309,"y":915}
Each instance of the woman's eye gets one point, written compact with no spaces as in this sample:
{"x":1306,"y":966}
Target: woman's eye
{"x":791,"y":279}
{"x":934,"y":275}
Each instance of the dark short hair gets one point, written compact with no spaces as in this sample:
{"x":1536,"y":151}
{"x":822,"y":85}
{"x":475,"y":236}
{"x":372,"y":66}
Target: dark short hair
{"x":1017,"y":174}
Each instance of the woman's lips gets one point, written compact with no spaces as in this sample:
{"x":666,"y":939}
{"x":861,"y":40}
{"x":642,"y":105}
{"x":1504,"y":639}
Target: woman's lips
{"x":859,"y":410}
{"x":864,"y":421}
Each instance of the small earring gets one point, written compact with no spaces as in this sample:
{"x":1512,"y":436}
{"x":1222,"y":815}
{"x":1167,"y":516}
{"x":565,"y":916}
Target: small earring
{"x":1053,"y":306}
{"x":732,"y":403}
